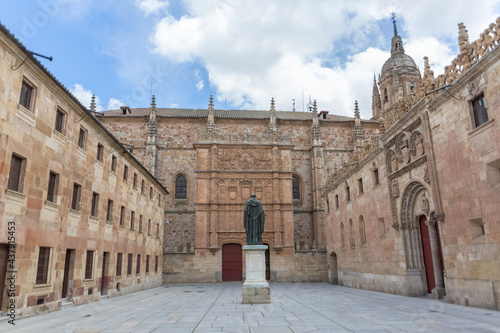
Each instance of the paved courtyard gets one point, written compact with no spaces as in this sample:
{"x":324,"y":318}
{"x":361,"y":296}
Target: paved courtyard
{"x":311,"y":307}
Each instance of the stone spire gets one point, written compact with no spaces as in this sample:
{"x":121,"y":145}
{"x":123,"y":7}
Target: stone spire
{"x":211,"y":117}
{"x":316,"y":131}
{"x":465,"y":48}
{"x":92,"y":104}
{"x":358,"y":129}
{"x":152,"y":136}
{"x":376,"y":102}
{"x":397,"y":42}
{"x":272,"y":118}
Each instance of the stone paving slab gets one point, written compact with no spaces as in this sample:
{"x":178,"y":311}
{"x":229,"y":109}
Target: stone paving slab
{"x":295,"y":308}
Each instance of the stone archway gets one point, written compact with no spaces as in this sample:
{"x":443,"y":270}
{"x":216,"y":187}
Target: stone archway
{"x":333,"y":273}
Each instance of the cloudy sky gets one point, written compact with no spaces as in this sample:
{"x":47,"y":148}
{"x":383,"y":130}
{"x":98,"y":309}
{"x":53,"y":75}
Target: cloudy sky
{"x":243,"y":52}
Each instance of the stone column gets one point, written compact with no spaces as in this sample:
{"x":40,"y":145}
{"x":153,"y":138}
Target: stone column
{"x":256,"y":289}
{"x":438,"y":291}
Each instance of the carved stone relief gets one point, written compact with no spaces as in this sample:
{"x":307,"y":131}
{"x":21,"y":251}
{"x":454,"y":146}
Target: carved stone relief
{"x":244,"y":159}
{"x":395,"y":188}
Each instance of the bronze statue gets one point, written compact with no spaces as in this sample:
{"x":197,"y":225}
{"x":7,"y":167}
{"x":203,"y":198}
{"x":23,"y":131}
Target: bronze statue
{"x":253,"y":220}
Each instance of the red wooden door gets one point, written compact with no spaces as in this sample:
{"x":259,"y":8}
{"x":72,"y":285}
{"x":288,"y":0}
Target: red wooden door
{"x":232,"y":262}
{"x":426,"y":247}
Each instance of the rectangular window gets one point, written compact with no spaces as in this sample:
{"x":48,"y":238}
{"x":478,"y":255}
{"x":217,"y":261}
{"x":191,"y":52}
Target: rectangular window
{"x":480,"y":110}
{"x":156,"y":263}
{"x":151,"y":192}
{"x":360,"y":185}
{"x":122,"y":216}
{"x":16,"y":175}
{"x":129,"y":264}
{"x":142,"y":186}
{"x":135,"y":180}
{"x":53,"y":187}
{"x":138,"y":267}
{"x":337,"y":205}
{"x":347,"y":194}
{"x":119,"y":264}
{"x":376,"y":179}
{"x":77,"y":193}
{"x":149,"y":227}
{"x":157,"y":230}
{"x":27,"y":94}
{"x":140,"y":224}
{"x":113,"y":163}
{"x":42,"y":271}
{"x":60,"y":125}
{"x":94,"y":209}
{"x":125,"y":172}
{"x":132,"y":220}
{"x":109,"y":214}
{"x":159,"y":200}
{"x":147,"y":263}
{"x":89,"y":264}
{"x":100,"y":152}
{"x":82,"y":138}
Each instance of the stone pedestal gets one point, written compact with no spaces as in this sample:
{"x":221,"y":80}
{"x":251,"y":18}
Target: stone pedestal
{"x":256,"y":289}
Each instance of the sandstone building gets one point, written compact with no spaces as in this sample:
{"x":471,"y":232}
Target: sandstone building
{"x":80,"y":216}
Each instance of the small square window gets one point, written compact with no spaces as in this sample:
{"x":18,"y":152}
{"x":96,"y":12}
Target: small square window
{"x":113,"y":163}
{"x":100,"y":152}
{"x":60,"y":125}
{"x":82,"y":138}
{"x":16,"y":174}
{"x":77,"y":193}
{"x":53,"y":187}
{"x":480,"y":111}
{"x":27,"y":95}
{"x":94,"y":210}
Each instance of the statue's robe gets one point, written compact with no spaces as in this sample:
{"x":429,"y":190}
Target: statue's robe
{"x":254,"y":219}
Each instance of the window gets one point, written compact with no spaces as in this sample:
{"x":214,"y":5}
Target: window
{"x":125,"y":172}
{"x":151,"y":192}
{"x":82,"y":138}
{"x":89,"y":263}
{"x":113,"y":163}
{"x":342,"y":242}
{"x":381,"y":227}
{"x":16,"y":175}
{"x":360,"y":185}
{"x":156,"y":263}
{"x":53,"y":187}
{"x":122,"y":216}
{"x":480,"y":110}
{"x":149,"y":227}
{"x":386,"y":99}
{"x":140,"y":224}
{"x":135,"y":180}
{"x":159,"y":200}
{"x":376,"y":179}
{"x":157,"y":230}
{"x":138,"y":267}
{"x":77,"y":193}
{"x":351,"y":234}
{"x":27,"y":95}
{"x":42,"y":271}
{"x":132,"y":218}
{"x":180,"y":187}
{"x":295,"y":188}
{"x":347,"y":194}
{"x":142,"y":186}
{"x":147,"y":263}
{"x":477,"y":227}
{"x":362,"y":231}
{"x":100,"y":152}
{"x":119,"y":264}
{"x":129,"y":264}
{"x":60,"y":125}
{"x":94,"y":210}
{"x":109,"y":214}
{"x":337,"y":205}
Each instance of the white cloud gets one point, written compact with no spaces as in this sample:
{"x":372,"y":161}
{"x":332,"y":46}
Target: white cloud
{"x":199,"y":85}
{"x":254,"y":50}
{"x":151,"y":6}
{"x":114,"y":104}
{"x":85,"y":96}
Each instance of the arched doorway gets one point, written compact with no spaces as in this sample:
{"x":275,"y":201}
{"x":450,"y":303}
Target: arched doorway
{"x":232,"y":262}
{"x":333,"y":274}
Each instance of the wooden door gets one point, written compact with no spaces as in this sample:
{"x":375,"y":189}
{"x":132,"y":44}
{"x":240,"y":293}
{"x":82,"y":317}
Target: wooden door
{"x":69,"y":264}
{"x":4,"y":250}
{"x":104,"y":277}
{"x":232,"y":263}
{"x":426,"y":247}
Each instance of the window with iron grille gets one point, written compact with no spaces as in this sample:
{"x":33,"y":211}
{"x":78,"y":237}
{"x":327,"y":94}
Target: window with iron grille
{"x":94,"y":210}
{"x":480,"y":110}
{"x":180,"y":187}
{"x":138,"y":267}
{"x":16,"y":174}
{"x":156,"y":263}
{"x":109,"y":214}
{"x":119,"y":264}
{"x":147,"y":263}
{"x":295,"y":188}
{"x":42,"y":271}
{"x":122,"y":216}
{"x":129,"y":264}
{"x":53,"y":187}
{"x":89,"y":264}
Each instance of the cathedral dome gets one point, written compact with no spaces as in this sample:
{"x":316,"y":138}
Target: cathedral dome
{"x":400,"y":61}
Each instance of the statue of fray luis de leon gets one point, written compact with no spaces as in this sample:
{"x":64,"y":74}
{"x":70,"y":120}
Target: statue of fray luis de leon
{"x":254,"y":219}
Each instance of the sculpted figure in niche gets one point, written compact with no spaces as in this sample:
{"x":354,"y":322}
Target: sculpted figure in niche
{"x":394,"y":163}
{"x":419,"y":145}
{"x":424,"y":204}
{"x":395,"y":188}
{"x":253,"y":220}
